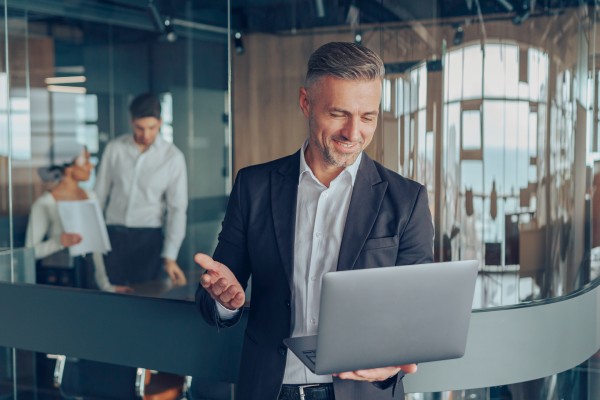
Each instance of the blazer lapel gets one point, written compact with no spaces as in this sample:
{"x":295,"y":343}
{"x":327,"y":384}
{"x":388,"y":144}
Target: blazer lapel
{"x":367,"y":196}
{"x":284,"y":190}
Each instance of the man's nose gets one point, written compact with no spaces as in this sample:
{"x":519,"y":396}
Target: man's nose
{"x":352,"y":129}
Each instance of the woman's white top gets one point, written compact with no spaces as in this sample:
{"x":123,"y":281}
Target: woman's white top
{"x":44,"y":230}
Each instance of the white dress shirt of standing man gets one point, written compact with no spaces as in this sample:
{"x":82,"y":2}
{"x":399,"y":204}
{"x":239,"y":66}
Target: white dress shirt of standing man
{"x":142,"y":188}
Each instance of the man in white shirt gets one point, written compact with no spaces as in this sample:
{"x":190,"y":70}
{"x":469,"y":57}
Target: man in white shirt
{"x":142,"y":187}
{"x":327,"y":207}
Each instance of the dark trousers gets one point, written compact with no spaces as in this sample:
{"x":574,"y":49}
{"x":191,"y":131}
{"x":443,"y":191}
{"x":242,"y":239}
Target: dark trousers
{"x":317,"y":392}
{"x":135,"y":255}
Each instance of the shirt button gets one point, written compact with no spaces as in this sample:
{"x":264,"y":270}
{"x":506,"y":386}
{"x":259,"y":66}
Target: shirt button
{"x":325,"y":194}
{"x":318,"y":235}
{"x":313,"y":278}
{"x":282,"y":350}
{"x":313,"y":321}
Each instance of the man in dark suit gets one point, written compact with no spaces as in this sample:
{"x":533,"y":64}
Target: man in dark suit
{"x":327,"y":207}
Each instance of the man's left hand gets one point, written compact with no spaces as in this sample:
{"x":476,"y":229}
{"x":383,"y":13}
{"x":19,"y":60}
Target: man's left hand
{"x":377,"y":374}
{"x":175,"y":273}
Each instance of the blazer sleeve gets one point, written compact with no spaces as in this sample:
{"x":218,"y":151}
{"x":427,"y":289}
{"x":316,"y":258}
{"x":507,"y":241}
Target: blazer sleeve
{"x":231,"y":251}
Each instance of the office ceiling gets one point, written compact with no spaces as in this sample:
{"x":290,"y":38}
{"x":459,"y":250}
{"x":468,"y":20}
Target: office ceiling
{"x":276,"y":16}
{"x":284,"y":16}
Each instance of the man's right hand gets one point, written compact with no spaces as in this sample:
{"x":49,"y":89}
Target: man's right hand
{"x":220,"y":282}
{"x":70,"y":239}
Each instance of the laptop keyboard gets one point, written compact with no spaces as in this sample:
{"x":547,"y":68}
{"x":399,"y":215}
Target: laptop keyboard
{"x":311,"y":355}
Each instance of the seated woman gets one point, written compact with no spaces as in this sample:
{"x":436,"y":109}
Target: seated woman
{"x":45,"y":233}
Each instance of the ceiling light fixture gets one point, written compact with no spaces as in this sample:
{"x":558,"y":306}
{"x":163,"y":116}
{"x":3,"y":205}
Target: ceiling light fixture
{"x":164,"y":26}
{"x":238,"y":43}
{"x":58,"y":80}
{"x":358,"y":38}
{"x":169,"y":34}
{"x":458,"y":35}
{"x":66,"y":89}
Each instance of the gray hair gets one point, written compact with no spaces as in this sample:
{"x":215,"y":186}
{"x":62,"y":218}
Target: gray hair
{"x":346,"y":61}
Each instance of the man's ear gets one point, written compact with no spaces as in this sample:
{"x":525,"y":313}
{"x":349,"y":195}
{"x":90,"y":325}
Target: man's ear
{"x":67,"y":171}
{"x":304,"y":101}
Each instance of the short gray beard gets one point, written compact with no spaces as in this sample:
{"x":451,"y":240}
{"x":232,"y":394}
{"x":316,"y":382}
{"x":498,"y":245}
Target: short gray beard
{"x":330,"y":159}
{"x":327,"y":156}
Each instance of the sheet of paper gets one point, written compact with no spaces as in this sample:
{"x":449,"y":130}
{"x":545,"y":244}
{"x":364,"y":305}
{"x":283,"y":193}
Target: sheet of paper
{"x":85,"y":218}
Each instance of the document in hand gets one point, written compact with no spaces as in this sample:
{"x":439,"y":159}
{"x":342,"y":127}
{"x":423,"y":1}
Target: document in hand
{"x":85,"y":218}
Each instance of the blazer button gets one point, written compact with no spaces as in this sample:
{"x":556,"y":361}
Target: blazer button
{"x":282,"y":350}
{"x":287,"y":303}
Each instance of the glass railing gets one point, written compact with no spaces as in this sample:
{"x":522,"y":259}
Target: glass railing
{"x":529,"y":350}
{"x":17,"y":266}
{"x":542,"y":349}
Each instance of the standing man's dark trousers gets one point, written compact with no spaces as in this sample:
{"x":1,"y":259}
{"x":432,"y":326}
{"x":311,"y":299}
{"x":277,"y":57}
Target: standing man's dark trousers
{"x":135,"y":256}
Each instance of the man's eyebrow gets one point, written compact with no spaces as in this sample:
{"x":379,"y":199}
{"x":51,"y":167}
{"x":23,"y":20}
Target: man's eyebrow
{"x":341,"y":110}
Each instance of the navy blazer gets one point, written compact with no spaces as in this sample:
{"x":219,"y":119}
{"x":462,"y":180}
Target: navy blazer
{"x":388,"y":223}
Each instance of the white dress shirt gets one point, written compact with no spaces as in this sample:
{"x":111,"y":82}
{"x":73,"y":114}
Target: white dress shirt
{"x":145,"y":189}
{"x":320,"y":220}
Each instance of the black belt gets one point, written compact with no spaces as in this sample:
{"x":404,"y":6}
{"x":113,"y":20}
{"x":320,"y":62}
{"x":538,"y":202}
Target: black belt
{"x":316,"y":391}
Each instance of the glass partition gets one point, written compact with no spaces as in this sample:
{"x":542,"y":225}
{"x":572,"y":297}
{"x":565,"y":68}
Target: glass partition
{"x":68,"y":75}
{"x":69,"y":79}
{"x":488,"y":107}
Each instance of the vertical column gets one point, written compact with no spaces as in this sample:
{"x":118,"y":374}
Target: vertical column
{"x":435,"y":92}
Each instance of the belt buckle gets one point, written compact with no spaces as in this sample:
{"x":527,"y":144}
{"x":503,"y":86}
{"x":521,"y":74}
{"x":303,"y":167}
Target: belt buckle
{"x":302,"y":387}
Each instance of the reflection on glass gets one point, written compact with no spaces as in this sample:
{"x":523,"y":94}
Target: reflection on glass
{"x":471,"y":137}
{"x":17,"y":266}
{"x":386,"y":96}
{"x":72,"y":77}
{"x":502,"y":187}
{"x":454,"y":75}
{"x":472,"y":62}
{"x":513,"y":204}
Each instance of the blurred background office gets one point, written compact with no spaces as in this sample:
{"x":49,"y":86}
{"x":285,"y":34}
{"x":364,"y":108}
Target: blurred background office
{"x":491,"y":104}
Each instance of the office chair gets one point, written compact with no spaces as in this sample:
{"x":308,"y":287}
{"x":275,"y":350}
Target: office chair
{"x":84,"y":379}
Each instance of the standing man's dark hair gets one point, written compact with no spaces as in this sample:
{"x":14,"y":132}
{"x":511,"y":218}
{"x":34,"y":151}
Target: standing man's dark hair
{"x":346,"y":61}
{"x":145,"y":105}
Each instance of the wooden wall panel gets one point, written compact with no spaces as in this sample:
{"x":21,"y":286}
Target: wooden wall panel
{"x":267,"y":120}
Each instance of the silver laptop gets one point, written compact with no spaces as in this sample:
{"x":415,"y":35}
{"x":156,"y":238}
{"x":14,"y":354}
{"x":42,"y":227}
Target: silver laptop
{"x":380,"y":317}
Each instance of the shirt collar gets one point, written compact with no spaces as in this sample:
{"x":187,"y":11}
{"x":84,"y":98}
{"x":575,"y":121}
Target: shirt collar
{"x":157,"y":144}
{"x":304,"y":168}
